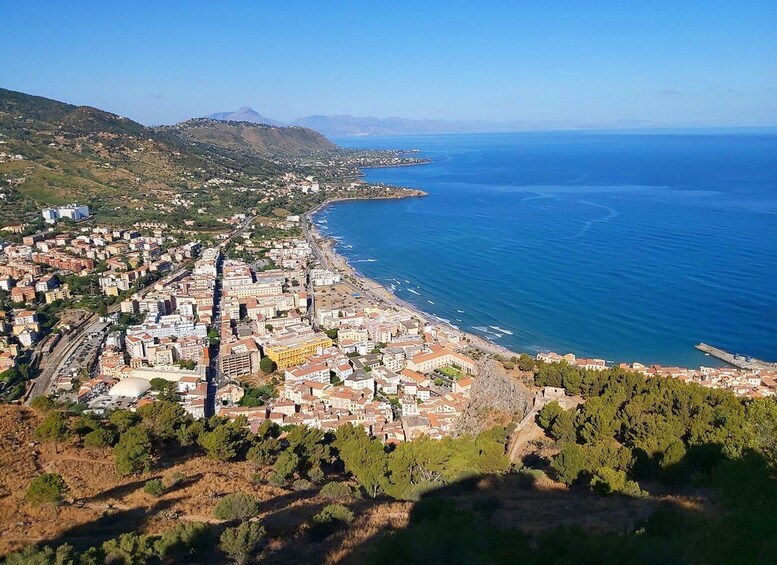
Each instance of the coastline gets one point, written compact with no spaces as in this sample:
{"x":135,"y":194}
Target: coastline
{"x":324,"y":249}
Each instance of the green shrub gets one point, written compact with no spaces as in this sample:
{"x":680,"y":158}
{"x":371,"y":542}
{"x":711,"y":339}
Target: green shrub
{"x":332,"y":518}
{"x":47,"y":488}
{"x":302,"y":484}
{"x":154,"y":487}
{"x":238,"y":506}
{"x":339,"y":491}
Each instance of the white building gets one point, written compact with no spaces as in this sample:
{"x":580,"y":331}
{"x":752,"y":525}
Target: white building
{"x":75,"y":212}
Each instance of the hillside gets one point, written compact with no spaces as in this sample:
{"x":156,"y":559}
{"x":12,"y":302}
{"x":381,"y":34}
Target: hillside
{"x":253,"y":137}
{"x":54,"y":153}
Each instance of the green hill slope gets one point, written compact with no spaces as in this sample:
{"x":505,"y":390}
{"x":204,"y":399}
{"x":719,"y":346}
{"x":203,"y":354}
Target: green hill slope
{"x":53,"y":153}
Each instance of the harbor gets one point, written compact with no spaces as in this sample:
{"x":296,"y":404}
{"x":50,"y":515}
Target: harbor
{"x":735,"y":359}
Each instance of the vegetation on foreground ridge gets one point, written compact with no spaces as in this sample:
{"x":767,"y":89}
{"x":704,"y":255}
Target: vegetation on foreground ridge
{"x":653,"y":470}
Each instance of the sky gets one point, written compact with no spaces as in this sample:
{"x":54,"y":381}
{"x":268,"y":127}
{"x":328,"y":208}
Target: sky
{"x":684,"y":63}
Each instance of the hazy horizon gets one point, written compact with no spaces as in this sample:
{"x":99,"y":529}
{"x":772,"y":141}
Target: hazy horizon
{"x":697,"y":65}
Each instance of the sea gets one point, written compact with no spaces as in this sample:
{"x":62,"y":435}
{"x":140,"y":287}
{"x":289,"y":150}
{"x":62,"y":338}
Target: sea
{"x":623,"y":246}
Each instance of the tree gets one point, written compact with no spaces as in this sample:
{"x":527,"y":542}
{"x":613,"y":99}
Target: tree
{"x":163,"y":418}
{"x":47,"y":488}
{"x":46,"y":555}
{"x":526,"y":363}
{"x":129,"y":549}
{"x":570,"y":463}
{"x":184,"y":541}
{"x":364,"y":458}
{"x":608,"y":481}
{"x":132,"y":454}
{"x":84,"y":424}
{"x":263,"y":451}
{"x":285,"y":466}
{"x":332,"y":333}
{"x":761,"y":426}
{"x":267,"y":365}
{"x":166,"y":389}
{"x":54,"y":428}
{"x":548,"y":414}
{"x":309,"y":444}
{"x":242,"y":542}
{"x":595,"y":420}
{"x":227,"y":441}
{"x":42,"y":404}
{"x":237,"y":506}
{"x":123,"y":420}
{"x":101,"y":438}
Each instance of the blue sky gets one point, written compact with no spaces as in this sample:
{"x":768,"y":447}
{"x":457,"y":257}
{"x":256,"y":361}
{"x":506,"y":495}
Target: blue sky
{"x":683,"y":63}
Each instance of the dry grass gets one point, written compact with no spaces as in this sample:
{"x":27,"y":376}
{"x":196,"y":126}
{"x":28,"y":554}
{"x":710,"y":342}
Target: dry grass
{"x":101,"y":505}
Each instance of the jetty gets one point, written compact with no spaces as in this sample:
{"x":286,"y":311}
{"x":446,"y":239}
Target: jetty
{"x":735,"y":359}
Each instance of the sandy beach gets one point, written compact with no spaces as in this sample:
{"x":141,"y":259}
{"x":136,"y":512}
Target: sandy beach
{"x":373,"y":291}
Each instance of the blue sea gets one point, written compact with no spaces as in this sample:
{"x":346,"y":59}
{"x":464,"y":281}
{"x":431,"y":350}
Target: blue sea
{"x":629,"y":247}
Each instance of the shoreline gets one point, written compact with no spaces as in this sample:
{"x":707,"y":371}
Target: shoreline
{"x":323,"y":247}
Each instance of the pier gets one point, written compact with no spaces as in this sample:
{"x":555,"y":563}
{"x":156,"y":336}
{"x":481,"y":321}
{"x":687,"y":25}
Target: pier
{"x":735,"y":359}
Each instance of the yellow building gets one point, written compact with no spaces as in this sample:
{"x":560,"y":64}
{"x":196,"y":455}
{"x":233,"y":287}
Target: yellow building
{"x":292,"y":351}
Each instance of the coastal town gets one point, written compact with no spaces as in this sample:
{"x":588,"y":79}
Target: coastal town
{"x":276,"y":328}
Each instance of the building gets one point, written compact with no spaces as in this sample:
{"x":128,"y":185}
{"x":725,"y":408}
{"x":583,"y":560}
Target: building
{"x":239,"y":358}
{"x":73,"y":212}
{"x":438,"y":356}
{"x":291,"y":351}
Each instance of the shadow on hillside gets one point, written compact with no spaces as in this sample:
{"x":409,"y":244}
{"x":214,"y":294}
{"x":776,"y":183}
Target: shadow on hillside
{"x":516,"y":519}
{"x":110,"y":525}
{"x":119,"y":491}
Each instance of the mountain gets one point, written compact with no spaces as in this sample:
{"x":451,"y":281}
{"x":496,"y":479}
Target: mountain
{"x":343,"y":126}
{"x":244,"y":114}
{"x":55,"y":153}
{"x":254,"y":138}
{"x":337,"y":126}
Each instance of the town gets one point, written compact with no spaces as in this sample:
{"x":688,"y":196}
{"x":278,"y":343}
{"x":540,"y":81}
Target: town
{"x":266,"y":327}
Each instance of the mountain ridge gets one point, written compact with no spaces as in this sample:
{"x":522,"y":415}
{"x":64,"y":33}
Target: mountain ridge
{"x":346,"y":125}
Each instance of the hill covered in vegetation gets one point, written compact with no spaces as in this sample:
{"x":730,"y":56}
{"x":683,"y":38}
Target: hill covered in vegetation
{"x":254,"y":138}
{"x":643,"y":471}
{"x":56,"y":153}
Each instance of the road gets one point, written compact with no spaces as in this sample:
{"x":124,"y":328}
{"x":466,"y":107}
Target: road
{"x":51,"y":364}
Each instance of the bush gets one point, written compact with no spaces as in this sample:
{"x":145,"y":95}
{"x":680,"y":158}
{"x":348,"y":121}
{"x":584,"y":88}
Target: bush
{"x":238,"y":506}
{"x":329,"y":520}
{"x":528,"y":478}
{"x":339,"y":491}
{"x":608,"y":481}
{"x":154,"y":487}
{"x":302,"y":484}
{"x":47,"y":488}
{"x":175,"y":479}
{"x":487,"y":506}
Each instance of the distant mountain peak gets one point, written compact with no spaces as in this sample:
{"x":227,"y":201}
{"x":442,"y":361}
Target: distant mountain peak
{"x":244,"y":114}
